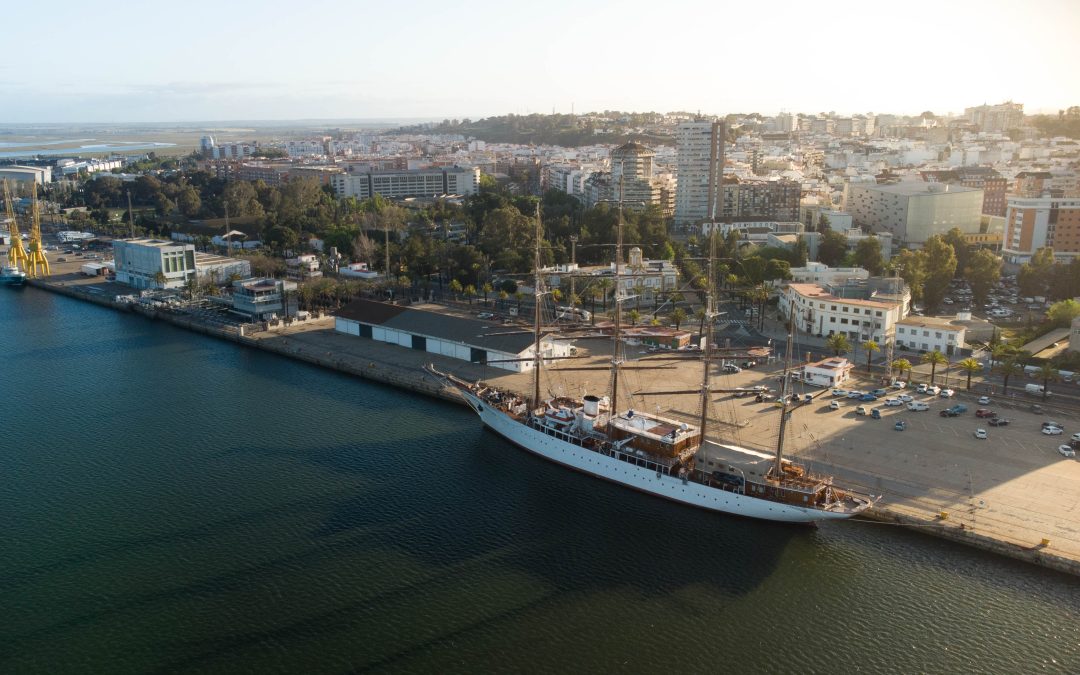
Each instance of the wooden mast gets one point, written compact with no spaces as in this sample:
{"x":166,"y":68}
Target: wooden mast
{"x":784,"y":414}
{"x":538,"y":293}
{"x":706,"y":344}
{"x":616,"y":347}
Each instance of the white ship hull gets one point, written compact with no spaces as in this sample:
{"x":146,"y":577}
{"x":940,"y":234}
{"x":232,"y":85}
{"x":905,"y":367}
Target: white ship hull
{"x":641,"y":478}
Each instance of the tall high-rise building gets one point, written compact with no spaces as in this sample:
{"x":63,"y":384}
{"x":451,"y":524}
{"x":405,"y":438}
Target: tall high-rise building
{"x":632,"y":174}
{"x":699,"y":163}
{"x":996,"y":118}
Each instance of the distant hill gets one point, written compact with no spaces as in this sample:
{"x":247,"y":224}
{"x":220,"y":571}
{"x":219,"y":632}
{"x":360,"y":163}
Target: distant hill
{"x":564,"y":130}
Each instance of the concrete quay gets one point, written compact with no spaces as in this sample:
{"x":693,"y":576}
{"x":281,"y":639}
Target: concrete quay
{"x":1006,"y":494}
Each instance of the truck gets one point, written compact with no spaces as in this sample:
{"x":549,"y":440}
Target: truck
{"x":1035,"y":389}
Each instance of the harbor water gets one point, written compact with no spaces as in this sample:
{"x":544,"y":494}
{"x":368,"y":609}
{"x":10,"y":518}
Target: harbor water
{"x":175,"y":503}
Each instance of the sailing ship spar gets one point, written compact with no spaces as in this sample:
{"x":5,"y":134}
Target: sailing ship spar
{"x":652,"y":453}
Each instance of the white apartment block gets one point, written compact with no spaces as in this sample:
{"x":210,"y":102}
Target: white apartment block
{"x":305,"y":148}
{"x":927,"y":333}
{"x":914,"y":211}
{"x":820,"y":313}
{"x":401,"y":184}
{"x":699,"y":164}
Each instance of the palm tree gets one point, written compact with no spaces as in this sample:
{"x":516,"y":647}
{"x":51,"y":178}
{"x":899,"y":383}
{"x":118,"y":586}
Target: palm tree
{"x":870,"y":346}
{"x":455,"y":287}
{"x":470,"y":292}
{"x":605,"y":288}
{"x":634,"y":316}
{"x":935,"y":359}
{"x":678,"y":315}
{"x":487,"y":288}
{"x":838,"y":342}
{"x":999,"y":352}
{"x":503,"y":297}
{"x":970,"y":366}
{"x":901,"y":366}
{"x":1047,"y":373}
{"x":700,"y":315}
{"x":160,"y":279}
{"x":1009,"y":367}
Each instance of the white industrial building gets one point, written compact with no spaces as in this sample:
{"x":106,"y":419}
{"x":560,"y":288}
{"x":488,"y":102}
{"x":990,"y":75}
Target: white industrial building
{"x":830,"y":372}
{"x":456,"y":337}
{"x":927,"y":333}
{"x":914,"y":211}
{"x":138,"y":262}
{"x":27,"y":174}
{"x":822,"y":274}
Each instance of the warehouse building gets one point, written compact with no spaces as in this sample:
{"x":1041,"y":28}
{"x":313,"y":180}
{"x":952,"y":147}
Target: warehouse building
{"x":456,"y":337}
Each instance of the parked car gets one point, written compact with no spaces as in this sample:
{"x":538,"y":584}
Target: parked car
{"x":921,"y":389}
{"x":862,"y":410}
{"x":998,"y":422}
{"x":1075,"y":437}
{"x":949,"y":412}
{"x":899,"y":384}
{"x":732,"y":368}
{"x":839,"y":392}
{"x":934,"y":390}
{"x":917,"y":406}
{"x":834,"y":405}
{"x":854,"y":394}
{"x":893,"y":402}
{"x":947,"y":393}
{"x":485,"y":315}
{"x":900,"y":425}
{"x":876,"y":413}
{"x":868,"y":398}
{"x":985,"y":412}
{"x":1051,"y":431}
{"x":905,"y":398}
{"x":984,"y":400}
{"x":980,"y":433}
{"x":749,"y":364}
{"x":1066,"y":450}
{"x":1052,"y":424}
{"x":808,"y":398}
{"x":879,"y":392}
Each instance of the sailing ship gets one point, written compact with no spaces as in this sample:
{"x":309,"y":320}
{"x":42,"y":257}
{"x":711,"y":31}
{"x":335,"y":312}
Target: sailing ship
{"x":652,"y":453}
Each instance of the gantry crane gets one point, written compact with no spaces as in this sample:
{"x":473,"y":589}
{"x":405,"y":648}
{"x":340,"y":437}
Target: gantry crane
{"x":16,"y":253}
{"x":37,"y":265}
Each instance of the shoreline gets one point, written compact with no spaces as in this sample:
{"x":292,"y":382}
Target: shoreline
{"x":381,"y":372}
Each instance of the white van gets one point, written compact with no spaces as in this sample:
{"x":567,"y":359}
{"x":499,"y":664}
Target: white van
{"x":916,"y":406}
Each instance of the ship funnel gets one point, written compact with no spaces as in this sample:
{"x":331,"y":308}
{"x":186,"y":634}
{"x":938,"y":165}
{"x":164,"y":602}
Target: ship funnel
{"x":592,"y":405}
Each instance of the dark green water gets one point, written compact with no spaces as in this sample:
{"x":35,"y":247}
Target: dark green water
{"x":175,"y":503}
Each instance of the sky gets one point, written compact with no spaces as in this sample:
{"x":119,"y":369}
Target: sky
{"x":123,"y":61}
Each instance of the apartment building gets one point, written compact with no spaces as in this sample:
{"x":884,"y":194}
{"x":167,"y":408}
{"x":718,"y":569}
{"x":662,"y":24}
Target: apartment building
{"x":401,"y":184}
{"x":819,"y":311}
{"x":1032,"y":223}
{"x":775,"y":200}
{"x":699,"y":163}
{"x":927,"y":333}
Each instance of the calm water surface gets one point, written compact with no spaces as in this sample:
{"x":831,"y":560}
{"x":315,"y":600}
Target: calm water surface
{"x":175,"y":503}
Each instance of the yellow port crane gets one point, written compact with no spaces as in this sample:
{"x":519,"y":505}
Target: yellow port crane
{"x":16,"y":253}
{"x":37,"y":265}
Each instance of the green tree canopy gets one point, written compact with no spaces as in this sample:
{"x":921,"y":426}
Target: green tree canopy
{"x":940,"y":268}
{"x":983,"y":271}
{"x":1062,"y":313}
{"x":832,"y":248}
{"x":868,"y":256}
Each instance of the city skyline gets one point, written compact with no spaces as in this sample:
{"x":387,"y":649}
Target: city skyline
{"x":328,"y":60}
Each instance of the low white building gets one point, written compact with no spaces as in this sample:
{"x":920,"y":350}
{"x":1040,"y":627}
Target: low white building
{"x":830,"y":372}
{"x":818,"y":312}
{"x":358,"y":270}
{"x":220,"y":269}
{"x":139,"y":262}
{"x":927,"y":333}
{"x":456,"y":337}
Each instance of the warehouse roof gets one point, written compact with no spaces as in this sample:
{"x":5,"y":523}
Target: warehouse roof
{"x":471,"y":332}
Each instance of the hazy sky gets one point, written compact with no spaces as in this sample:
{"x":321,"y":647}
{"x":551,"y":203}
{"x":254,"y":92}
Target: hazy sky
{"x":123,"y":61}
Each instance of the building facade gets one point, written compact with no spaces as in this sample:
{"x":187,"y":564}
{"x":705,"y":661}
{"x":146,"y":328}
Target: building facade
{"x":264,"y":299}
{"x":818,"y":312}
{"x":632,"y":174}
{"x":139,"y":262}
{"x":776,"y":200}
{"x":927,"y":333}
{"x":402,"y":184}
{"x":699,"y":164}
{"x":914,"y":211}
{"x":1032,"y":223}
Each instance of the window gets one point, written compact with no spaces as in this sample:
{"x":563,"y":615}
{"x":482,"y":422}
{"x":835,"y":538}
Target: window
{"x":925,"y":333}
{"x":877,"y":313}
{"x":937,"y":334}
{"x":844,"y":321}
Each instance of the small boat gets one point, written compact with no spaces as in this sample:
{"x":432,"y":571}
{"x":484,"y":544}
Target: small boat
{"x":12,"y":276}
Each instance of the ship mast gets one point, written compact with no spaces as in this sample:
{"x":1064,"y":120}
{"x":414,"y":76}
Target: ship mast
{"x":616,"y":347}
{"x":538,"y":293}
{"x":784,"y":414}
{"x":706,"y":343}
